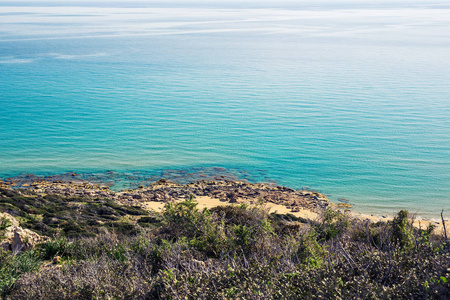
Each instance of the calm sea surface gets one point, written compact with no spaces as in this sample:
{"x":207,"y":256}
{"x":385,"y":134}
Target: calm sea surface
{"x":350,"y":100}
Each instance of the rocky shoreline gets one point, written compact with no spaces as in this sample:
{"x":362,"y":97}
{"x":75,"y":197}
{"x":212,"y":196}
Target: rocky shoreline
{"x":218,"y":190}
{"x":154,"y":196}
{"x":163,"y":191}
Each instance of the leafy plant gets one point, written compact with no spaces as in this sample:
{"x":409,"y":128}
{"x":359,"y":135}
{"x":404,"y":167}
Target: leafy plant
{"x":4,"y":224}
{"x":13,"y":266}
{"x":402,"y":233}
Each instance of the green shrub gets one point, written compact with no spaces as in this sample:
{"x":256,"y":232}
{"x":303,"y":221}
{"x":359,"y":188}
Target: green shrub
{"x":402,"y":233}
{"x":310,"y":253}
{"x":184,"y":220}
{"x":4,"y":224}
{"x":54,"y":247}
{"x":242,"y":235}
{"x":149,"y":221}
{"x":124,"y":228}
{"x":13,"y":266}
{"x":333,"y":224}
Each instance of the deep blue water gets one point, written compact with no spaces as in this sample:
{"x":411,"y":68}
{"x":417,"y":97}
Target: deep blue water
{"x":350,"y":100}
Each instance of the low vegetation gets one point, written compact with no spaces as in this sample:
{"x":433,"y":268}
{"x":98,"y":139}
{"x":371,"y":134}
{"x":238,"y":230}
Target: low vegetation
{"x":53,"y":215}
{"x":101,"y":250}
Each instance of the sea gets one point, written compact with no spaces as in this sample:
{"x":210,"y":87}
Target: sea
{"x":349,"y":98}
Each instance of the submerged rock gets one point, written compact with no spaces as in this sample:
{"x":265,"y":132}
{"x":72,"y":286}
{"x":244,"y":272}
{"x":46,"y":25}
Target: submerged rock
{"x":343,"y":205}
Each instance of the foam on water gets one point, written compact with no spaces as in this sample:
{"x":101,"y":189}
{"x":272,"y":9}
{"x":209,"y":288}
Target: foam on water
{"x":351,"y":100}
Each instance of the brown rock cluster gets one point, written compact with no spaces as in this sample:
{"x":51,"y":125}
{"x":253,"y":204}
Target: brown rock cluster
{"x":15,"y":238}
{"x":4,"y":185}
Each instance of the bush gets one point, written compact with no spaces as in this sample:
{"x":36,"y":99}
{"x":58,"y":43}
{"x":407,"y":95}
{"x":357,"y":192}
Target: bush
{"x":4,"y":224}
{"x":53,"y":247}
{"x":402,"y":232}
{"x":333,"y":224}
{"x":13,"y":266}
{"x":184,"y":220}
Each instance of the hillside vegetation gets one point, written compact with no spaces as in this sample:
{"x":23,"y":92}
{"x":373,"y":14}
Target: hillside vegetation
{"x":98,"y":249}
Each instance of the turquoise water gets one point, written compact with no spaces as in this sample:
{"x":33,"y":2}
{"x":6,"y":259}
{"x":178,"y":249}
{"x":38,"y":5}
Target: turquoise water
{"x":351,"y":100}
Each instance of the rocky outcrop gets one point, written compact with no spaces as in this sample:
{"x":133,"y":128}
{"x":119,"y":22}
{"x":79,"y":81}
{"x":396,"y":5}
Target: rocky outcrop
{"x":232,"y":191}
{"x":4,"y":185}
{"x":15,"y":238}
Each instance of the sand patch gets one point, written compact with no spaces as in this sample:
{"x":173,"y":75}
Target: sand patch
{"x":209,"y":202}
{"x":419,"y":223}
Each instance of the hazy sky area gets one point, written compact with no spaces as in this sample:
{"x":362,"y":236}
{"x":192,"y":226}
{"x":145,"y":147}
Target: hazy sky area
{"x":388,"y":21}
{"x":267,"y":3}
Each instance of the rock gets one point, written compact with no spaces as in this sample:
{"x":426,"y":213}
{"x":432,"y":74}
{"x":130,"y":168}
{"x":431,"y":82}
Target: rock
{"x":162,"y":181}
{"x":24,"y":239}
{"x":10,"y":219}
{"x":17,"y":239}
{"x":219,"y":169}
{"x":232,"y":198}
{"x":56,"y":259}
{"x":4,"y":185}
{"x":165,"y":190}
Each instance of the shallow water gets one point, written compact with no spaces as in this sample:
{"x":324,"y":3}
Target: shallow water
{"x":350,"y":100}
